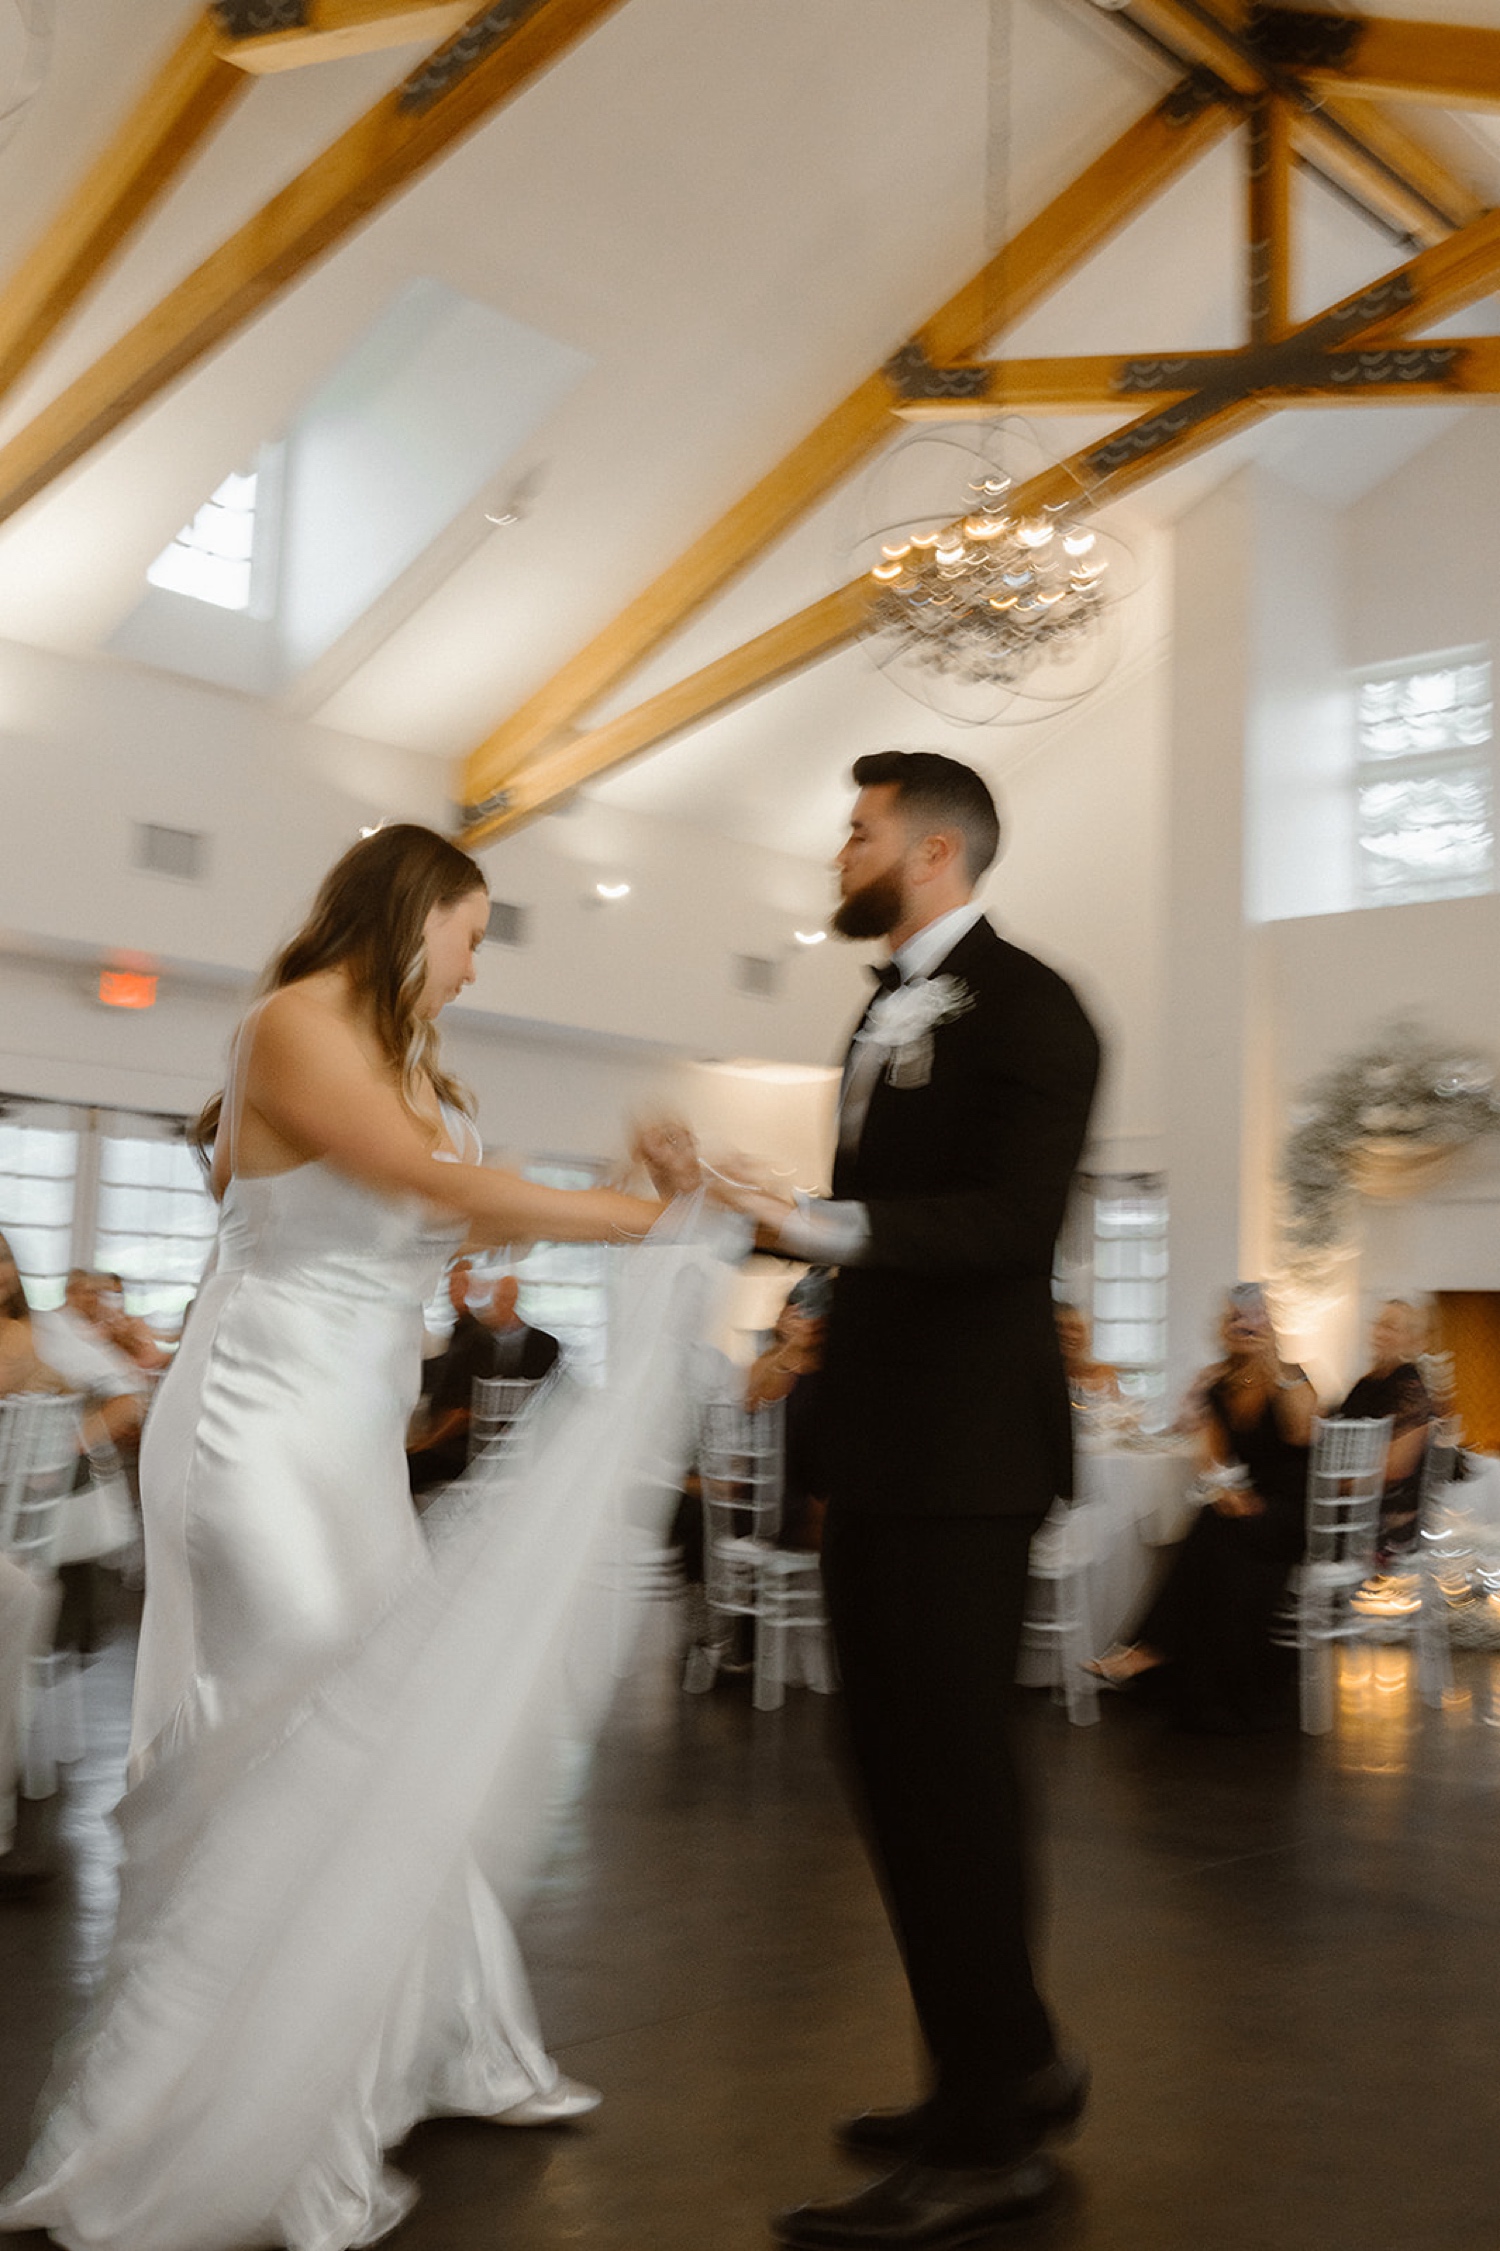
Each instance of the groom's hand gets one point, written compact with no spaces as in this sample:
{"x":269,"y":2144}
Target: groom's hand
{"x":670,"y":1155}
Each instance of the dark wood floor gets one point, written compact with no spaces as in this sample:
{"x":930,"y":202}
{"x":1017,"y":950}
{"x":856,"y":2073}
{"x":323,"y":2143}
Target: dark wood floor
{"x":1282,"y":1955}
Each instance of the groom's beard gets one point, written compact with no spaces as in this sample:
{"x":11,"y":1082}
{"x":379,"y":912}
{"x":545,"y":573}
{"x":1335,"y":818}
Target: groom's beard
{"x":874,"y":910}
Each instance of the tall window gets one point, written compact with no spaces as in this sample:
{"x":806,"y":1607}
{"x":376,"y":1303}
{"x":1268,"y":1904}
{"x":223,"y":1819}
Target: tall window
{"x":1113,"y":1264}
{"x":1425,"y":779}
{"x":38,"y":1172}
{"x":111,"y":1190}
{"x":211,"y":557}
{"x":565,"y":1286}
{"x":154,"y":1217}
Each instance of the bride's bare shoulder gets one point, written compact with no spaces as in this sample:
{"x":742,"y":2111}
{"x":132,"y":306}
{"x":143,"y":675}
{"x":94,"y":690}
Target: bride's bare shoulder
{"x":309,"y":1016}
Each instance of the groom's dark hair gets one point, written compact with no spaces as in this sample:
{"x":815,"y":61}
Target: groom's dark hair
{"x":938,"y":790}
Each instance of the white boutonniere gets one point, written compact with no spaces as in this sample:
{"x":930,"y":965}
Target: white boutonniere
{"x":903,"y":1022}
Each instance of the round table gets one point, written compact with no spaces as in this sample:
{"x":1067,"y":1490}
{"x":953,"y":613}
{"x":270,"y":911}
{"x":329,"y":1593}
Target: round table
{"x":1133,"y":1503}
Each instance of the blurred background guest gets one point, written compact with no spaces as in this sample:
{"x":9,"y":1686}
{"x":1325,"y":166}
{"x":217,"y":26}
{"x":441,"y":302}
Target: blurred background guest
{"x":1208,"y":1631}
{"x":27,"y":1609}
{"x":1393,"y":1385}
{"x":126,"y":1331}
{"x":1091,"y":1382}
{"x":489,"y":1339}
{"x":21,"y":1366}
{"x":790,"y":1371}
{"x":72,"y":1341}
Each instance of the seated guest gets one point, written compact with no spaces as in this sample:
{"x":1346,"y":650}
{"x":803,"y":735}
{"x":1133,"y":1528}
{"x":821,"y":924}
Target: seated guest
{"x":70,"y":1341}
{"x":489,"y":1339}
{"x":126,"y":1331}
{"x":22,"y":1367}
{"x":1208,"y":1631}
{"x":27,"y":1608}
{"x":790,"y":1370}
{"x":1393,"y":1386}
{"x":1091,"y":1382}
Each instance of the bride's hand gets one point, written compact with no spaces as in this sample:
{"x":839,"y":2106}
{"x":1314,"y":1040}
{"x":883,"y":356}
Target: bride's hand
{"x":670,"y":1155}
{"x":740,"y":1185}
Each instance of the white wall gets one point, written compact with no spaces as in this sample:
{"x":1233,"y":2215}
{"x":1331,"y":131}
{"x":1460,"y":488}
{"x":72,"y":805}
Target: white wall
{"x":1209,"y":989}
{"x":88,"y":748}
{"x":1299,"y":779}
{"x":1083,"y":884}
{"x":1423,"y":549}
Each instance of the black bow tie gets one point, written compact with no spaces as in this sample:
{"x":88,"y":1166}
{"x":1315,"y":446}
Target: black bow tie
{"x":887,"y":978}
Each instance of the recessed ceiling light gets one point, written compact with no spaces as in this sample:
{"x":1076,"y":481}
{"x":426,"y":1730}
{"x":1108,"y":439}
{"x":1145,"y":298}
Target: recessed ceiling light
{"x":612,"y":890}
{"x":810,"y":937}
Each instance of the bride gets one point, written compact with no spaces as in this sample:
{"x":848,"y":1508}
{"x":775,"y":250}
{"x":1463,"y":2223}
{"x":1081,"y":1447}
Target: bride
{"x":341,"y":1729}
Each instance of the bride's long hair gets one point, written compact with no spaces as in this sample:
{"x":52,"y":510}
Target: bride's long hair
{"x":368,"y":919}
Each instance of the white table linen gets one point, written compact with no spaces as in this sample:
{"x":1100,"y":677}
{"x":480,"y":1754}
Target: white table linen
{"x":1133,"y":1504}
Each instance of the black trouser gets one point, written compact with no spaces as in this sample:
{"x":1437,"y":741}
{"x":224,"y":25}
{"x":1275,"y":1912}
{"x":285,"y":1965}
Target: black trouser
{"x":926,"y":1615}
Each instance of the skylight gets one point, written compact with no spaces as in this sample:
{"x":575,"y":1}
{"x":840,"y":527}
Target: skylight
{"x":210,"y":557}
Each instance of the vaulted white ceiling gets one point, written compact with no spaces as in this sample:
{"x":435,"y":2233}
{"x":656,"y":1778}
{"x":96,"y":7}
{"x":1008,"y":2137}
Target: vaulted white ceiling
{"x":735,"y":212}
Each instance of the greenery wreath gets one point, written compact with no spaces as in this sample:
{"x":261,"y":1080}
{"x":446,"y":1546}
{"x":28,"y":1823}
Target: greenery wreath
{"x":1408,"y":1098}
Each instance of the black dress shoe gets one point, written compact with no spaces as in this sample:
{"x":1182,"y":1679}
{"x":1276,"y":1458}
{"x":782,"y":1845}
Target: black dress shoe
{"x":922,"y":2208}
{"x":1051,"y":2102}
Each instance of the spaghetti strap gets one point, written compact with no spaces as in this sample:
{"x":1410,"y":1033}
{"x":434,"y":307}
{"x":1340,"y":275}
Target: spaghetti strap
{"x":234,"y":1093}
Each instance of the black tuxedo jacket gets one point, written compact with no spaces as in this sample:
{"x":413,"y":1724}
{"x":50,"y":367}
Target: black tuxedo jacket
{"x":945,"y":1392}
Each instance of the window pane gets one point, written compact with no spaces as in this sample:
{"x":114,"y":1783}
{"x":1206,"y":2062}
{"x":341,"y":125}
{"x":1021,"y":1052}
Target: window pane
{"x":210,"y":557}
{"x":156,"y":1220}
{"x":38,"y":1165}
{"x":1427,"y":837}
{"x":1422,"y":714}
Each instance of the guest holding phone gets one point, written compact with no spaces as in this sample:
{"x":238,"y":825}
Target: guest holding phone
{"x":1208,"y":1632}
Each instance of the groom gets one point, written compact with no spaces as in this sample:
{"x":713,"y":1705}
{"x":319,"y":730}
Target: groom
{"x":964,"y":1105}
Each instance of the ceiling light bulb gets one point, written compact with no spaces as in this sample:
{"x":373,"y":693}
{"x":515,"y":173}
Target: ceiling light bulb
{"x":612,"y":890}
{"x":1034,"y":534}
{"x":1078,"y":542}
{"x":894,"y":554}
{"x":886,"y":570}
{"x":809,"y":937}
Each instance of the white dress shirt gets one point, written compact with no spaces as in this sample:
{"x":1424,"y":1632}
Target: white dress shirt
{"x":837,"y":1234}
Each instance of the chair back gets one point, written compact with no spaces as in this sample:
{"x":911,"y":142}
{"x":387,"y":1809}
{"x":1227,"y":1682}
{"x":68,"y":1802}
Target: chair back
{"x":740,"y":1455}
{"x":741,"y":1466}
{"x":1440,"y":1462}
{"x":1345,"y":1480}
{"x":496,"y":1406}
{"x":40,"y":1437}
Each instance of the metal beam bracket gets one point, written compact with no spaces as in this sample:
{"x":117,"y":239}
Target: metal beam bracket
{"x":254,"y":19}
{"x":912,"y":376}
{"x":464,"y":52}
{"x":487,"y":808}
{"x":1297,"y":39}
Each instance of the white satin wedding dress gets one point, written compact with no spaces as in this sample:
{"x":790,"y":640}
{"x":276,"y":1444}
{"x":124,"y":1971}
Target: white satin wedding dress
{"x":344,"y":1737}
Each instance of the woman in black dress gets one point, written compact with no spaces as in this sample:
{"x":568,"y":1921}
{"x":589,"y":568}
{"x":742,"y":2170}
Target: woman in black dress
{"x":1208,"y":1631}
{"x":1393,"y":1386}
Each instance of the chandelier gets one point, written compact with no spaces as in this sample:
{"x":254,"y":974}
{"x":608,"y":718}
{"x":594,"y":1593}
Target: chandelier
{"x":985,"y":598}
{"x":992,"y":591}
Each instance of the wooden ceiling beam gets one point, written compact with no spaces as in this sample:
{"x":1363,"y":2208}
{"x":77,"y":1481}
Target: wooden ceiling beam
{"x":787,"y":648}
{"x":191,"y":94}
{"x":332,"y":30}
{"x":455,"y":90}
{"x":818,"y":631}
{"x":1366,"y":150}
{"x":1152,"y":152}
{"x":1420,"y":370}
{"x":1269,"y":219}
{"x":1368,"y":154}
{"x":1437,"y":281}
{"x":1452,"y":65}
